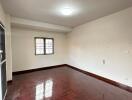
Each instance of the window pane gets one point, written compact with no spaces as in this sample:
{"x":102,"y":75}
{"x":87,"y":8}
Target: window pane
{"x":39,"y":40}
{"x":39,"y":51}
{"x":49,"y":46}
{"x":39,"y":46}
{"x":49,"y":41}
{"x":49,"y":51}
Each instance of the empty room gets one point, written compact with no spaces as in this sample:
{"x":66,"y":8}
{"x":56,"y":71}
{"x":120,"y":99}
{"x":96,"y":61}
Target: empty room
{"x":65,"y":49}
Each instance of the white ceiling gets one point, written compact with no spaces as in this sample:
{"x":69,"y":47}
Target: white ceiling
{"x":49,"y":10}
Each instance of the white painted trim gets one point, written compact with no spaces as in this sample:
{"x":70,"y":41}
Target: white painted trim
{"x":5,"y":95}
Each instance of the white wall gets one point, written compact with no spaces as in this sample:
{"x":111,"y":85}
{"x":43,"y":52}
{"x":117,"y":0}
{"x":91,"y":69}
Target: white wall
{"x":2,"y":14}
{"x":24,"y":49}
{"x":108,"y":38}
{"x":8,"y":47}
{"x":5,"y":19}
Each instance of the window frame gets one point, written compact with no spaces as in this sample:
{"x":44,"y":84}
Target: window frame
{"x":44,"y":39}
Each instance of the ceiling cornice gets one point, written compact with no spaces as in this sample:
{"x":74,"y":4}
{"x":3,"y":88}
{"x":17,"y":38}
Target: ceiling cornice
{"x":20,"y":22}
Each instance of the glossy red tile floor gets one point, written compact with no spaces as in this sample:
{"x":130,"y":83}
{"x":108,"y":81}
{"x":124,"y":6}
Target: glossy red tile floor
{"x":62,"y":84}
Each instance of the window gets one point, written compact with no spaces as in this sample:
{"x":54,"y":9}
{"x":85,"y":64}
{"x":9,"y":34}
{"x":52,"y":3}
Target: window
{"x":44,"y":46}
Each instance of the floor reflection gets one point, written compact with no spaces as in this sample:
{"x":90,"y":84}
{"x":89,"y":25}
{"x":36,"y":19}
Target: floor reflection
{"x":48,"y":88}
{"x":39,"y":91}
{"x":44,"y":90}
